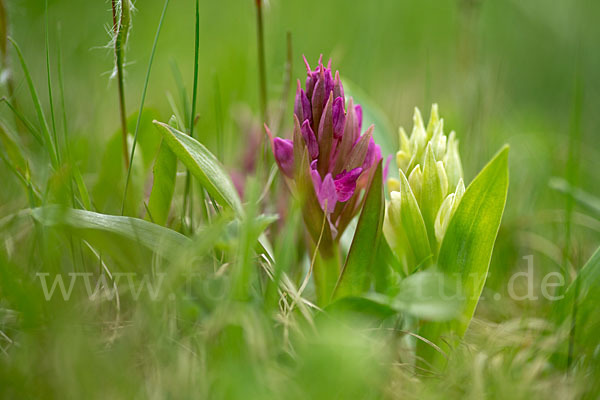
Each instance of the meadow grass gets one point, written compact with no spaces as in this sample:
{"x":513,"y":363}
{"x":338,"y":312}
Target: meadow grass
{"x":147,"y":274}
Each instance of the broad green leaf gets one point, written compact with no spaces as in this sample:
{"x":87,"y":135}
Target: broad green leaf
{"x":377,"y":309}
{"x":353,"y":278}
{"x":467,"y":246}
{"x":203,"y":165}
{"x":100,"y":228}
{"x":165,"y":170}
{"x":427,"y":294}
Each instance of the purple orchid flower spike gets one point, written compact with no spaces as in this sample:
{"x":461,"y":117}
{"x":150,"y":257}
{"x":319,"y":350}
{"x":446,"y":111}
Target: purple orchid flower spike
{"x":339,"y":160}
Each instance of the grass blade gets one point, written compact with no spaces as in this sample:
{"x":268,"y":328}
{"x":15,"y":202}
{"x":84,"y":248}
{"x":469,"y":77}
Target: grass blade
{"x":50,"y":97}
{"x":203,"y":165}
{"x":48,"y":143}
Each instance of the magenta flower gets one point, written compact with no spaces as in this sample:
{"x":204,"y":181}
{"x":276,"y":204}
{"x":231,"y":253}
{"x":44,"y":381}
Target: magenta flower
{"x":327,"y":144}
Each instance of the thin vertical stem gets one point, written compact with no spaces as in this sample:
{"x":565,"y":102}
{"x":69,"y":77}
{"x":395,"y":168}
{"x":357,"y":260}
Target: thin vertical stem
{"x":196,"y":51}
{"x":139,"y":116}
{"x":572,"y":171}
{"x":262,"y":74}
{"x":188,"y":191}
{"x":50,"y":98}
{"x":121,"y":87}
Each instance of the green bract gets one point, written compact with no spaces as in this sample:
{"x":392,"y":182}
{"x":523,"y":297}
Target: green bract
{"x":428,"y":192}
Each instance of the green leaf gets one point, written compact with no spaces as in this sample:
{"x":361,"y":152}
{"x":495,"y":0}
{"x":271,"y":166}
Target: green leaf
{"x":426,"y":294}
{"x":467,"y":246}
{"x":377,"y":309}
{"x":432,"y":195}
{"x":165,"y":170}
{"x":405,"y":228}
{"x":100,"y":229}
{"x":429,"y":295}
{"x":353,"y":278}
{"x":203,"y":165}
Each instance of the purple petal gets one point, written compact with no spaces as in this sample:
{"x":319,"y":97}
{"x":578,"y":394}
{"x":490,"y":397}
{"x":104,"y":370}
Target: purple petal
{"x":316,"y":179}
{"x":310,"y":139}
{"x":359,"y":115}
{"x":371,"y":154}
{"x":298,"y":103}
{"x":339,"y":118}
{"x":302,"y":105}
{"x":283,"y":149}
{"x":327,"y":194}
{"x":338,"y":89}
{"x":345,"y":184}
{"x":306,"y":109}
{"x":328,"y":83}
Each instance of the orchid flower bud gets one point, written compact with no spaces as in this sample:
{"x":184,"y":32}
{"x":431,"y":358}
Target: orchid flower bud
{"x":430,"y":166}
{"x":341,"y":160}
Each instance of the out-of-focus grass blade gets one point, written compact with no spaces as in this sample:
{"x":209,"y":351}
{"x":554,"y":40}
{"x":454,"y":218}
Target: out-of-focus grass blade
{"x":21,"y":118}
{"x":584,"y":198}
{"x":203,"y":165}
{"x":467,"y":246}
{"x":158,"y":239}
{"x":83,"y":192}
{"x":354,"y":276}
{"x":14,"y":153}
{"x":48,"y":143}
{"x":165,"y":169}
{"x":584,"y":291}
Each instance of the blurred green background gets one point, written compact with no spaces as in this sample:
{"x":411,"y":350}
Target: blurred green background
{"x":502,"y":71}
